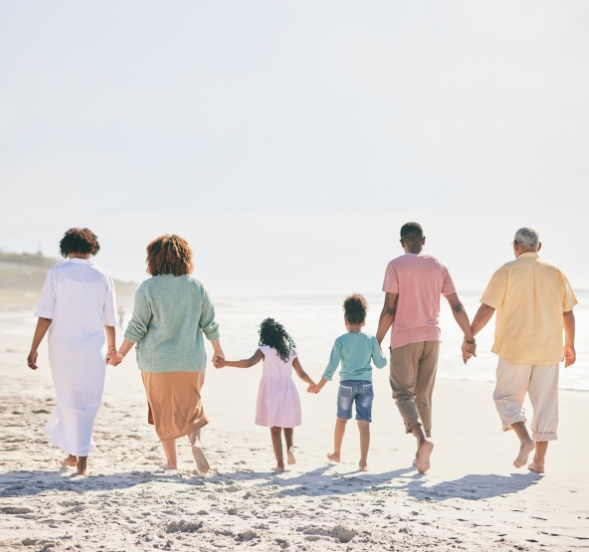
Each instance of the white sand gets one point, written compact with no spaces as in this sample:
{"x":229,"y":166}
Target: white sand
{"x":472,"y":499}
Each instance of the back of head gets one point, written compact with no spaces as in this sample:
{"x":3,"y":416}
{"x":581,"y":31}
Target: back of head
{"x":412,"y":233}
{"x":81,"y":241}
{"x":355,"y":308}
{"x":527,"y":238}
{"x":274,"y":335}
{"x":169,"y":254}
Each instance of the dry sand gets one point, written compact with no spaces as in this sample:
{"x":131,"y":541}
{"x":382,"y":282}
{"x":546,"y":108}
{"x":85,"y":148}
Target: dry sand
{"x":472,"y":499}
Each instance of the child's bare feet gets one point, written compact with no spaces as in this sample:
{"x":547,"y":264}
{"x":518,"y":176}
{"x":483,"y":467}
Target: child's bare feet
{"x":536,"y":467}
{"x":290,"y":456}
{"x":279,"y":468}
{"x":202,"y":464}
{"x":168,"y":466}
{"x":334,"y":457}
{"x":69,"y":462}
{"x":81,"y":467}
{"x":363,"y":466}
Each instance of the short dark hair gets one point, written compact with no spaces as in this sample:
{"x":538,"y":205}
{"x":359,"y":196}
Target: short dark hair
{"x":411,"y":232}
{"x":79,"y":240}
{"x":169,"y":254}
{"x":355,"y":307}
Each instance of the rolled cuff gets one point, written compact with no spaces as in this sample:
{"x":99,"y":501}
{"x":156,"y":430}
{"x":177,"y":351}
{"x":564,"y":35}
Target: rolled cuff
{"x":327,"y":377}
{"x":132,"y":336}
{"x":544,"y":437}
{"x":507,"y":423}
{"x":211,"y":335}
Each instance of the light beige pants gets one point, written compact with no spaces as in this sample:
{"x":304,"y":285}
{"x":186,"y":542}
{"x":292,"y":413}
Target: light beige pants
{"x":413,"y":374}
{"x":541,"y":383}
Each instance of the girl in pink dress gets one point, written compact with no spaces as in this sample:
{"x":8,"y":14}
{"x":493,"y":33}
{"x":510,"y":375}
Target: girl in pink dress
{"x":278,"y":406}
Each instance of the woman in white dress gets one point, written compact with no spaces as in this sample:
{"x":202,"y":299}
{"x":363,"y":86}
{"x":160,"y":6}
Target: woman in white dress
{"x":77,"y":306}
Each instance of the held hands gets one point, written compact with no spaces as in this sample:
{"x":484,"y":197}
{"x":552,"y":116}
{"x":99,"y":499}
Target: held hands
{"x":218,"y":360}
{"x":468,"y":350}
{"x":313,"y":389}
{"x":114,"y":358}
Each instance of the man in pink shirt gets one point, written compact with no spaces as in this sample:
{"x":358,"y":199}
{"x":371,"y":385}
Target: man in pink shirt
{"x":413,"y":284}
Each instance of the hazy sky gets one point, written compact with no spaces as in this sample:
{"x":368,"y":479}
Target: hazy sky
{"x":288,"y":141}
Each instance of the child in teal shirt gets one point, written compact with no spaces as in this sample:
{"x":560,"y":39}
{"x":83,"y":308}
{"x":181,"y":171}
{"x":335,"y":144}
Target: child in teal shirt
{"x":354,"y":350}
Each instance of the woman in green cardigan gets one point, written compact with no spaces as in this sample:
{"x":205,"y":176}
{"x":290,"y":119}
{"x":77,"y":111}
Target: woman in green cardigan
{"x":172,"y":312}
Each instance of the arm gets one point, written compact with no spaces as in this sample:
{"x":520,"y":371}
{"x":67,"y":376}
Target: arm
{"x":387,"y":316}
{"x":334,"y":360}
{"x":378,"y":358}
{"x":481,"y":318}
{"x":110,"y":342}
{"x":116,"y":358}
{"x":42,"y":327}
{"x":300,"y":372}
{"x":570,"y":356}
{"x":210,"y":328}
{"x":469,"y":345}
{"x":246,"y":363}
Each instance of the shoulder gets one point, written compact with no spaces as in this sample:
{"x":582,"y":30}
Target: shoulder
{"x":96,"y":269}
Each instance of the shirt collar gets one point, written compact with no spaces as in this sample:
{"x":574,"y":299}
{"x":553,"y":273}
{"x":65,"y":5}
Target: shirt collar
{"x":529,"y":255}
{"x":81,"y":261}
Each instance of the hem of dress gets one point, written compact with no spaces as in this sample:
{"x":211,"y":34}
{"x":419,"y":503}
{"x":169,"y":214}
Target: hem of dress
{"x":194,"y":427}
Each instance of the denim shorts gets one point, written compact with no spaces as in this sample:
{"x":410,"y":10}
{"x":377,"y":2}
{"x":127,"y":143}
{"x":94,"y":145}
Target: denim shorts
{"x":359,"y":391}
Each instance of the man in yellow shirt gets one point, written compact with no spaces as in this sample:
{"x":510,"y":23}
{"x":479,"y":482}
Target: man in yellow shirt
{"x":534,"y":303}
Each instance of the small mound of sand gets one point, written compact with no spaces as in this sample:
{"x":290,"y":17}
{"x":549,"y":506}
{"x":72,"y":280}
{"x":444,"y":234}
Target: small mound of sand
{"x":183,"y":526}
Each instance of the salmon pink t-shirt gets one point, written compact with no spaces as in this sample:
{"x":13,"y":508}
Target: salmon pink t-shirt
{"x":419,"y":280}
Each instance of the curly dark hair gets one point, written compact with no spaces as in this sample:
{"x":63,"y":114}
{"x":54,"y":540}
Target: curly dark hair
{"x":79,"y":240}
{"x":355,"y":307}
{"x":274,"y":335}
{"x":169,"y":254}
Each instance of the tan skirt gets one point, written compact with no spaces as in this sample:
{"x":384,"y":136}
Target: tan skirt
{"x":175,"y":407}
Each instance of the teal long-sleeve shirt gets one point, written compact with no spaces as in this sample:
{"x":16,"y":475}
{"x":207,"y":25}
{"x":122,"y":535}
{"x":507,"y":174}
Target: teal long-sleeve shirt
{"x":170,"y":316}
{"x":354,"y":351}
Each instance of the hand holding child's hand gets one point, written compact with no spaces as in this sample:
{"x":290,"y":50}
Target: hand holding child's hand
{"x":218,"y":361}
{"x":313,"y":389}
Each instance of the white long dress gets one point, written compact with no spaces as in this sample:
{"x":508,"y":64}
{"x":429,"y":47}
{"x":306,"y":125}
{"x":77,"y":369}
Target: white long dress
{"x":79,"y":298}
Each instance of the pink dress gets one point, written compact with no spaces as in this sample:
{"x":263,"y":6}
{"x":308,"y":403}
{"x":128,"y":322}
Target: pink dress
{"x":278,"y":400}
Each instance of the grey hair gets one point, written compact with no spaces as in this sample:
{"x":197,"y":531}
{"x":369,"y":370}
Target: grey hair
{"x":527,"y":237}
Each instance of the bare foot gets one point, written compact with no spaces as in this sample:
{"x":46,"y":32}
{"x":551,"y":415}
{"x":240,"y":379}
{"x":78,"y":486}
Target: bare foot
{"x":278,"y":469}
{"x":536,"y":467}
{"x":290,"y":456}
{"x":81,"y":467}
{"x":363,"y":466}
{"x":425,"y":451}
{"x":168,"y":466}
{"x":202,"y":464}
{"x":333,"y":457}
{"x":416,"y":459}
{"x":524,"y":451}
{"x":69,"y":462}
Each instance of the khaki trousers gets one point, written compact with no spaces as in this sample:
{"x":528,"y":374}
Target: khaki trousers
{"x":541,"y":384}
{"x":413,"y":374}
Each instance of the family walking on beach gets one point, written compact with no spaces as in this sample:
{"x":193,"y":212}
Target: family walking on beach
{"x":533,"y":299}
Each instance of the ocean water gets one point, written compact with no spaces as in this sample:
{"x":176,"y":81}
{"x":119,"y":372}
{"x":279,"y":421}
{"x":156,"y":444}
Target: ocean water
{"x":314,"y":321}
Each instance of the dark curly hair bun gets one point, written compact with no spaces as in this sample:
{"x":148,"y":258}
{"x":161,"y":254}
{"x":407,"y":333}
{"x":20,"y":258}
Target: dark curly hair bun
{"x":355,"y":307}
{"x":274,"y":335}
{"x":79,"y":240}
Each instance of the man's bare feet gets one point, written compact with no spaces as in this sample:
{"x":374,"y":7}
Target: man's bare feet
{"x":526,"y":448}
{"x":168,"y":466}
{"x":362,"y":466}
{"x":278,"y":469}
{"x":290,"y":457}
{"x":81,"y":466}
{"x":416,"y":459}
{"x":333,"y":457}
{"x":425,"y":451}
{"x":536,"y":467}
{"x":202,"y":464}
{"x":69,"y":462}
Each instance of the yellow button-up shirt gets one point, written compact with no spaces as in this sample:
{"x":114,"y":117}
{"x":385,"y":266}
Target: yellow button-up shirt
{"x":530,"y":296}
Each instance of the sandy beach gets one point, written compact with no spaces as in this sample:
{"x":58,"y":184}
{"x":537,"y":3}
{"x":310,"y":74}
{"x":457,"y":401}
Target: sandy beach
{"x":472,"y":499}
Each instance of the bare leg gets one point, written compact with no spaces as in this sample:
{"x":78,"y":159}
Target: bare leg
{"x":276,"y":433}
{"x":338,"y":437}
{"x":537,"y":464}
{"x":170,"y":451}
{"x":288,"y":435}
{"x":202,"y":464}
{"x":70,"y":461}
{"x":527,"y":444}
{"x":424,"y":449}
{"x":81,"y":466}
{"x":364,"y":428}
